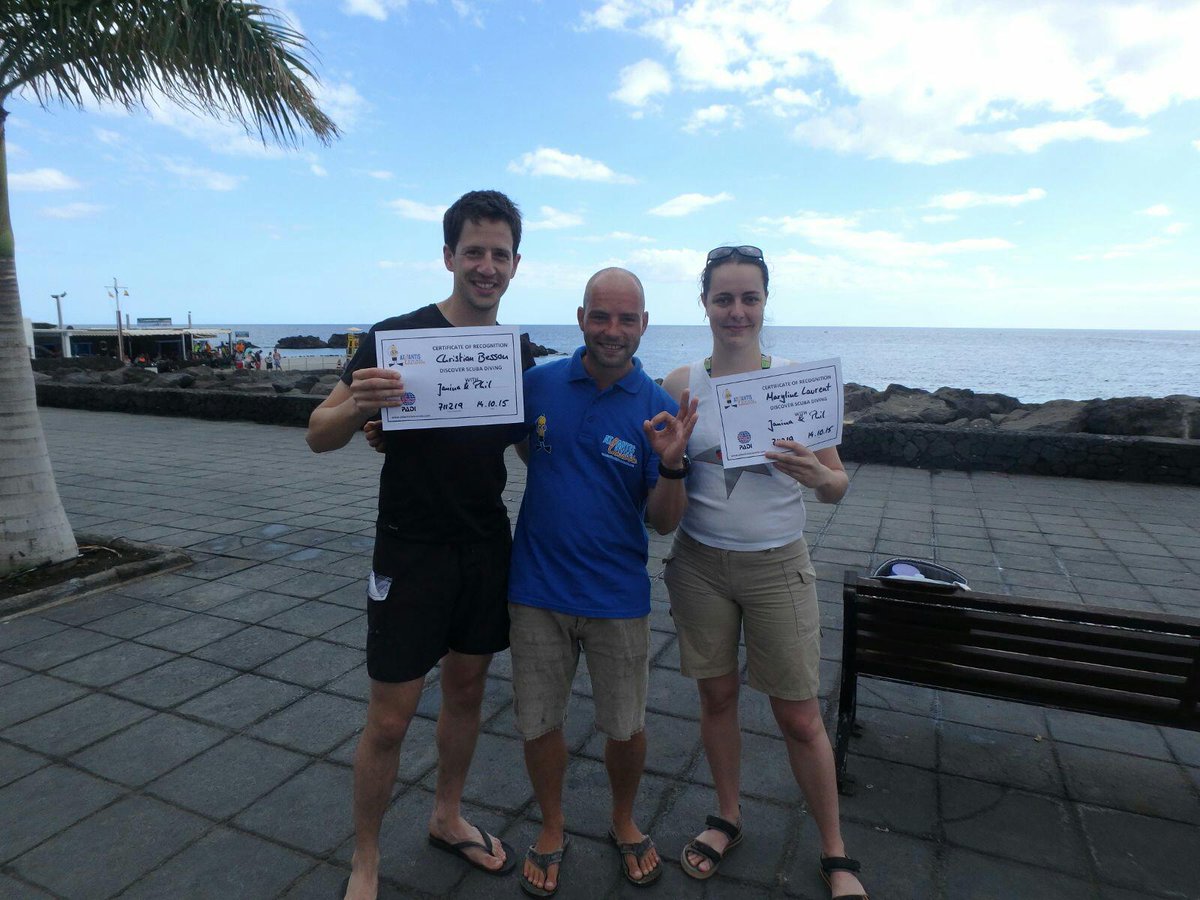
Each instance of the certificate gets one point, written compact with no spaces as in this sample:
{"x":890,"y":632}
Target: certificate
{"x":453,"y":376}
{"x":801,"y":402}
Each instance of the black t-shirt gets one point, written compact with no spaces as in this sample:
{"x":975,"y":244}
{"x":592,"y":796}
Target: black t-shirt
{"x":440,"y":484}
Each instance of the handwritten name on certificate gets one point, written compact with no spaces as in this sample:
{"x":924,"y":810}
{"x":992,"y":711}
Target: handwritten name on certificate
{"x":453,"y":376}
{"x":802,"y":402}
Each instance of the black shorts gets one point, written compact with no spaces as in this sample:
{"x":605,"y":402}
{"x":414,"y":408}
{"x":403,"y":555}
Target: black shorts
{"x":442,"y":597}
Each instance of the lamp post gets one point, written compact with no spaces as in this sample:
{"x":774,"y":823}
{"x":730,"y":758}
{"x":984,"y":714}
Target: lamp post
{"x":116,"y":294}
{"x":64,"y":348}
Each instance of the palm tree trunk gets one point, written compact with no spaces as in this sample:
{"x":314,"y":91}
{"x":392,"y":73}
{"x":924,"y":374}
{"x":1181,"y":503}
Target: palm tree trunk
{"x":33,"y":525}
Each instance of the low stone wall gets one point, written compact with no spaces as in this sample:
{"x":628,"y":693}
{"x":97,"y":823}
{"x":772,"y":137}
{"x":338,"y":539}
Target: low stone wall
{"x":1109,"y":457}
{"x":268,"y":409}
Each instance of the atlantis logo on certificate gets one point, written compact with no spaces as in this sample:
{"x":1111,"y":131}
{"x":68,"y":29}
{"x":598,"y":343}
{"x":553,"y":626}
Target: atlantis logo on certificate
{"x":453,"y":376}
{"x":802,"y":402}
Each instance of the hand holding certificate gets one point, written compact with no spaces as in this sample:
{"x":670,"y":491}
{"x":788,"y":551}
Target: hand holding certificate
{"x":453,"y":376}
{"x":801,"y":402}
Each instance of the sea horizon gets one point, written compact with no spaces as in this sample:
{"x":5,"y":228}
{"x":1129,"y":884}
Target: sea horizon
{"x":1034,"y":365}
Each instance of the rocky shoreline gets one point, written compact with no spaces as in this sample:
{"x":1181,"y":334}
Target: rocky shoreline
{"x":1177,"y":416}
{"x":1125,"y":438}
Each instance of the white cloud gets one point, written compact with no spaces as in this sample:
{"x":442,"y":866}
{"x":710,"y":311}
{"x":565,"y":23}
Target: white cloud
{"x":372,"y":9}
{"x":1176,"y":228}
{"x":710,"y":118}
{"x":1032,"y":139}
{"x":552,"y":162}
{"x":42,"y":180}
{"x":1196,"y":144}
{"x":686,"y":204}
{"x":317,"y":169}
{"x":1127,"y":250}
{"x":666,"y":265}
{"x":967,"y":199}
{"x":1158,"y":209}
{"x":105,"y":136}
{"x":381,"y":174}
{"x":467,"y":12}
{"x":641,"y":82}
{"x":616,"y":13}
{"x":937,"y":218}
{"x":553,"y":219}
{"x":198,"y":176}
{"x":422,"y":212}
{"x":884,"y":248}
{"x":72,"y":211}
{"x":931,"y":80}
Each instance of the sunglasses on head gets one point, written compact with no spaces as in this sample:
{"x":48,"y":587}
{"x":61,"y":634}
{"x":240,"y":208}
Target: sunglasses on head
{"x":745,"y":250}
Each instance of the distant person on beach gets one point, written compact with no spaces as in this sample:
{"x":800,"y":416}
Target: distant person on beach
{"x":740,"y":562}
{"x":605,"y":453}
{"x":439,"y":581}
{"x":277,"y":358}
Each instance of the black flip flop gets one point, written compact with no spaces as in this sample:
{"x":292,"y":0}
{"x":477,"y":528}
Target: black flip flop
{"x":544,"y":861}
{"x":636,"y":849}
{"x":459,"y":849}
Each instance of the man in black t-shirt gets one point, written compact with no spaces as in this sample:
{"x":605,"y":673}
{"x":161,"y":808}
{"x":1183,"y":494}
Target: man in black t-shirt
{"x":439,"y":580}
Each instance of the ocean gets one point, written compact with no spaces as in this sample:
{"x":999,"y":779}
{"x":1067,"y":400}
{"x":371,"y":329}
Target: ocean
{"x":1033,"y":365}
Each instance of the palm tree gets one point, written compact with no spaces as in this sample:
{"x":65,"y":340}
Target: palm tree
{"x":229,"y":58}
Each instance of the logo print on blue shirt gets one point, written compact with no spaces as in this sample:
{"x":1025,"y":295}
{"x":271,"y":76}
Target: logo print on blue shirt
{"x":622,"y":451}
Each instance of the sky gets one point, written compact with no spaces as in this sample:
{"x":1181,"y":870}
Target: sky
{"x":920,"y":163}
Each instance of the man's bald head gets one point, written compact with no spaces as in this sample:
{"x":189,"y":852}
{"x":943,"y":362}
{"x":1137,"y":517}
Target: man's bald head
{"x":613,"y":278}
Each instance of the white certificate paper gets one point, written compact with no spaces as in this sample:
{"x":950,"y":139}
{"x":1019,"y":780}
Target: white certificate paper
{"x":801,"y":402}
{"x":453,"y":376}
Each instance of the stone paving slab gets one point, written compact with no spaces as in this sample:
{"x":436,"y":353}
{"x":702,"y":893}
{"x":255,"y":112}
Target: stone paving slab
{"x":192,"y":733}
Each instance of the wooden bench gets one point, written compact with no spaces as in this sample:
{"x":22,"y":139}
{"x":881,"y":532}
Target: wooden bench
{"x":1141,"y":667}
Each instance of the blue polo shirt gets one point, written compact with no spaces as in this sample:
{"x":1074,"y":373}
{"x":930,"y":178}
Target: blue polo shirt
{"x":580,"y":546}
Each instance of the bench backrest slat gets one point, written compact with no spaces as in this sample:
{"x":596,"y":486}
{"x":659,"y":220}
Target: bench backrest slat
{"x":928,"y":636}
{"x":1078,"y":698}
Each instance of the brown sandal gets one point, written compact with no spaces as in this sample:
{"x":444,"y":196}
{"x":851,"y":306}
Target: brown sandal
{"x":831,"y":864}
{"x":699,"y":848}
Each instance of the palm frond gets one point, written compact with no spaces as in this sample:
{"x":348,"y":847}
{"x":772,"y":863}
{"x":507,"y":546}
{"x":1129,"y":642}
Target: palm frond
{"x":229,"y":58}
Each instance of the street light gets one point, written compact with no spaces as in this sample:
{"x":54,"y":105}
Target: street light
{"x":63,"y":350}
{"x":116,"y":294}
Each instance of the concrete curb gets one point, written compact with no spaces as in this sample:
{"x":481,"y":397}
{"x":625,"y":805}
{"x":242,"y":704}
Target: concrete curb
{"x":166,"y":560}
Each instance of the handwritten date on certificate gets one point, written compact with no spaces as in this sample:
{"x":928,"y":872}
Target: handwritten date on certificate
{"x":802,"y":402}
{"x":454,"y":376}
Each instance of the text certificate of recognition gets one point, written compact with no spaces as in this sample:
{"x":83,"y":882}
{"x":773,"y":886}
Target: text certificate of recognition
{"x":453,"y":376}
{"x":802,"y":402}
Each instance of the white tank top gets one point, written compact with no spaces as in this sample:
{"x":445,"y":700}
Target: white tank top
{"x":752,"y":508}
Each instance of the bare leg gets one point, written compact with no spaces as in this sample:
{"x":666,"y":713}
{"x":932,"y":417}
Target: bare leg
{"x":811,"y":758}
{"x":625,"y":762}
{"x":389,"y":711}
{"x":546,"y":761}
{"x":462,"y":681}
{"x":722,"y":736}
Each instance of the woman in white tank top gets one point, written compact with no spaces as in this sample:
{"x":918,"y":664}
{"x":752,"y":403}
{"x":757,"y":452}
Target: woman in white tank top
{"x":740,"y":562}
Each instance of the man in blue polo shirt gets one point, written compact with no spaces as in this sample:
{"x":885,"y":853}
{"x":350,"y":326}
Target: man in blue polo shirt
{"x":605,"y":453}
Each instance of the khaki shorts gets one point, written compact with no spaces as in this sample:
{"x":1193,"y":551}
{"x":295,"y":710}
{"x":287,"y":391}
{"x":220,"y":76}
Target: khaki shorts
{"x":772,"y":594}
{"x":545,"y":653}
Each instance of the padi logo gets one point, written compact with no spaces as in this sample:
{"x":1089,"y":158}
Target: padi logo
{"x":621,"y":450}
{"x":744,"y":441}
{"x":408,"y":402}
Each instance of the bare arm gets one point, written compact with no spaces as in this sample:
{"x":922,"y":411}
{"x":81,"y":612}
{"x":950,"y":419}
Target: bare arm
{"x":821,"y":471}
{"x":668,"y":436}
{"x":347,"y":408}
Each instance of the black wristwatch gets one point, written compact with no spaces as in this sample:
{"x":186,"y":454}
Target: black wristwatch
{"x":681,"y":472}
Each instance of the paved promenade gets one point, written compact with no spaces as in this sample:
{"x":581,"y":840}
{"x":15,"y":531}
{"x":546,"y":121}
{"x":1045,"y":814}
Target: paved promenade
{"x":190,"y":735}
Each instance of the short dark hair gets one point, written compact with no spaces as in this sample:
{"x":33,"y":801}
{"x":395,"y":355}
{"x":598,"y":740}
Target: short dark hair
{"x":475,"y":205}
{"x":735,"y":257}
